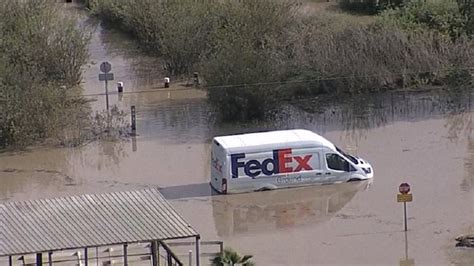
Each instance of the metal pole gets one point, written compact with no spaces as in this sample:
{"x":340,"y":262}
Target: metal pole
{"x":86,"y":257}
{"x":197,"y":250}
{"x":158,"y":252}
{"x":50,"y":258}
{"x":190,"y":257}
{"x":106,"y":96}
{"x":134,"y":119}
{"x":97,"y":256}
{"x":153,"y":253}
{"x":10,"y":260}
{"x":405,"y":214}
{"x":406,"y":246}
{"x":39,"y":259}
{"x":125,"y":255}
{"x":168,"y":256}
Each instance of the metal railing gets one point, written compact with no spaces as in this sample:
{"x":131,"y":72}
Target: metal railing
{"x":96,"y":256}
{"x":171,"y":258}
{"x":175,"y":253}
{"x":184,"y":250}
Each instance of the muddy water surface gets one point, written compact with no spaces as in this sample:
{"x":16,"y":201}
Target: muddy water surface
{"x":423,"y":138}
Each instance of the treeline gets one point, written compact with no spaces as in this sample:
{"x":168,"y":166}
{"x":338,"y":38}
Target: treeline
{"x":41,"y":55}
{"x":252,"y":54}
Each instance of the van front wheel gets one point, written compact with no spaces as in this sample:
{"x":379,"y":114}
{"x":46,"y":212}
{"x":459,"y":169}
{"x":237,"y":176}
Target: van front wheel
{"x":354,"y":179}
{"x":266,"y":188}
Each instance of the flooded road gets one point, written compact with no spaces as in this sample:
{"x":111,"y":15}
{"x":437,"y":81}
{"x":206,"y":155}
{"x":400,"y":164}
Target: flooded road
{"x":424,"y":138}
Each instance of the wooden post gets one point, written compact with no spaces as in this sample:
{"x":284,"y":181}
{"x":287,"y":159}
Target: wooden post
{"x":125,"y":255}
{"x":39,"y":259}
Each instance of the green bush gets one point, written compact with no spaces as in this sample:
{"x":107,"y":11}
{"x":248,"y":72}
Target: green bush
{"x":248,"y":48}
{"x":467,"y":10}
{"x":41,"y":55}
{"x":252,"y":54}
{"x":443,"y":16}
{"x":176,"y":30}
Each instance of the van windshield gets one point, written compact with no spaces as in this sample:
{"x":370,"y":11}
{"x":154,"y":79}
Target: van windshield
{"x":348,"y":156}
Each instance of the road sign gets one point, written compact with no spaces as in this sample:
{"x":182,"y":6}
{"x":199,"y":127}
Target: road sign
{"x":105,"y":67}
{"x":107,"y":76}
{"x":404,"y":197}
{"x":404,"y":188}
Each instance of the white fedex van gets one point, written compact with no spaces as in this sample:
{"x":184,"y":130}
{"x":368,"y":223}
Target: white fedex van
{"x":277,"y":159}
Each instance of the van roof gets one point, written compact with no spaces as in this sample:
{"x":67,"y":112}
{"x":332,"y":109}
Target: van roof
{"x":295,"y":138}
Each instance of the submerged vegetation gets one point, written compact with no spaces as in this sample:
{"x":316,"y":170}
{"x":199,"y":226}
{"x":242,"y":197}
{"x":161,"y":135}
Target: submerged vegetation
{"x":252,"y":54}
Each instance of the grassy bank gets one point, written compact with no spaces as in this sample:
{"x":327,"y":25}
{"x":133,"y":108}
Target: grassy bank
{"x":252,"y":54}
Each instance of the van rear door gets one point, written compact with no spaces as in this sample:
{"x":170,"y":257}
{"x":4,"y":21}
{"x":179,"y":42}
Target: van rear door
{"x":218,"y":167}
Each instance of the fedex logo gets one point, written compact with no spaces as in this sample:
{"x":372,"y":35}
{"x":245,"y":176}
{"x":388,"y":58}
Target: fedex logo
{"x":280,"y":163}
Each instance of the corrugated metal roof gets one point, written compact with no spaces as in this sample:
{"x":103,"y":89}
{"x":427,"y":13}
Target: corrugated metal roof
{"x":88,"y":221}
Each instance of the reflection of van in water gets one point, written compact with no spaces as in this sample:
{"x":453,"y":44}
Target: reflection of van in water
{"x":276,"y":159}
{"x":281,"y":209}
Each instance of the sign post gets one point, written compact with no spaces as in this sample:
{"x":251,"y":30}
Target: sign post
{"x":404,"y":197}
{"x":105,"y":68}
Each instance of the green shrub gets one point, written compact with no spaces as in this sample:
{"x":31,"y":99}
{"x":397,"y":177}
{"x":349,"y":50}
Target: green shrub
{"x":248,"y":48}
{"x":467,"y":10}
{"x":252,"y":54}
{"x":41,"y":55}
{"x":176,"y":30}
{"x":442,"y":16}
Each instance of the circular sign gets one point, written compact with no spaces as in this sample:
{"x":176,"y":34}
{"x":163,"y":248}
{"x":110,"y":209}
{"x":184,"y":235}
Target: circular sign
{"x":404,"y":188}
{"x":105,"y":67}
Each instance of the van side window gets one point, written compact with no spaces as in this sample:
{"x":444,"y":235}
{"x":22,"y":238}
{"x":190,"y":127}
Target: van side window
{"x":336,"y":162}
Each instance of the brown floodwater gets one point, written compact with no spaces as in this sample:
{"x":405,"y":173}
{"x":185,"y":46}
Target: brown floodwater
{"x":423,"y":138}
